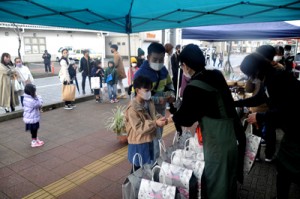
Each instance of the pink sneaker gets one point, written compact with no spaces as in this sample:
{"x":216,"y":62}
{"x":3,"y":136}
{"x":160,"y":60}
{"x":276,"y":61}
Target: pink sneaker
{"x":112,"y":101}
{"x":35,"y":143}
{"x":40,"y":141}
{"x":116,"y":100}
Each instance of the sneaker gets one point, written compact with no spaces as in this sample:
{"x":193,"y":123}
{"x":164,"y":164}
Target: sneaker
{"x":40,"y":141}
{"x":263,"y":142}
{"x":35,"y":143}
{"x":112,"y":101}
{"x":83,"y":92}
{"x":268,"y":159}
{"x":116,"y":101}
{"x":97,"y":100}
{"x":68,"y":107}
{"x":73,"y":105}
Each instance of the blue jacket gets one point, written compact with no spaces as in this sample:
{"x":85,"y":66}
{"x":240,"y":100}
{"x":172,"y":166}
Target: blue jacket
{"x":164,"y":79}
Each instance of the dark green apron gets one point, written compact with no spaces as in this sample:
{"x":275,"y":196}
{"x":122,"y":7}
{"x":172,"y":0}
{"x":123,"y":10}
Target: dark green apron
{"x":220,"y":150}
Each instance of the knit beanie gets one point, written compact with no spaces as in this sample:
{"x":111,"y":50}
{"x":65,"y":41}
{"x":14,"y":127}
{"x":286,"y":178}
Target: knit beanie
{"x":140,"y":52}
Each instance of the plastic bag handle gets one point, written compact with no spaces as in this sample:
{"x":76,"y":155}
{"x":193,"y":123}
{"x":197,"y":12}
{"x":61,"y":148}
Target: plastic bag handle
{"x":251,"y":127}
{"x":140,"y":160}
{"x":173,"y":154}
{"x":162,"y":145}
{"x":160,"y":170}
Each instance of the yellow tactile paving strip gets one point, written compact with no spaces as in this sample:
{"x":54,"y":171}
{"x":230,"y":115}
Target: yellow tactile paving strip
{"x":84,"y":174}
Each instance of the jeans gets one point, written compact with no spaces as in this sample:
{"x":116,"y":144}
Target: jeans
{"x":220,"y":64}
{"x":47,"y":67}
{"x":84,"y":75}
{"x":112,"y":91}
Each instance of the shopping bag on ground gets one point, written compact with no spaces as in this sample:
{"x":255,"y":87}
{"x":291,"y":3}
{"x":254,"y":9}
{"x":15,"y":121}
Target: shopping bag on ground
{"x":95,"y":82}
{"x":157,"y":188}
{"x":68,"y":92}
{"x":192,"y":144}
{"x":180,"y":177}
{"x":131,"y":185}
{"x":197,"y":166}
{"x":252,"y":144}
{"x":179,"y":141}
{"x":165,"y":152}
{"x":105,"y":97}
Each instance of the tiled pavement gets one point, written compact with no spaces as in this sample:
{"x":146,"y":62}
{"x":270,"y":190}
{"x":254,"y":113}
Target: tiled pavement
{"x":76,"y":142}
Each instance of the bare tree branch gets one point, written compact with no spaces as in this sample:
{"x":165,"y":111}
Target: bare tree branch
{"x":17,"y":31}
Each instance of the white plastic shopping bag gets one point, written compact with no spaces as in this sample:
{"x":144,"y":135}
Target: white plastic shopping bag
{"x":252,"y":144}
{"x":95,"y":82}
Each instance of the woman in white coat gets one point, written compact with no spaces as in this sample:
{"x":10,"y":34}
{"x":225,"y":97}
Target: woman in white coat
{"x":64,"y":75}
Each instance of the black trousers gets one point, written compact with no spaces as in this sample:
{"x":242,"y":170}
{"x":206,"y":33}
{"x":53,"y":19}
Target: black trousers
{"x":47,"y":67}
{"x":270,"y":138}
{"x":33,"y":133}
{"x":84,"y":75}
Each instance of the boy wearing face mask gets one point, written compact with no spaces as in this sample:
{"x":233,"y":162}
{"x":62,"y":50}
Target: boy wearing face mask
{"x":24,"y":75}
{"x":162,"y":85}
{"x":141,"y":122}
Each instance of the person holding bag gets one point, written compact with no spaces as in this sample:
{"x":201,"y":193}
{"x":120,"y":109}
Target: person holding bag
{"x":97,"y":71}
{"x":8,"y":74}
{"x":282,"y":92}
{"x":208,"y":97}
{"x":65,"y":78}
{"x":111,"y":78}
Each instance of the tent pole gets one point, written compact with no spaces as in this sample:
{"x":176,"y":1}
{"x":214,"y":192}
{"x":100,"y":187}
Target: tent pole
{"x":129,"y":55}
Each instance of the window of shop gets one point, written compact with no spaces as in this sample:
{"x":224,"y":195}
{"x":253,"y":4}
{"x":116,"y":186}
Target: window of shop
{"x":35,"y":45}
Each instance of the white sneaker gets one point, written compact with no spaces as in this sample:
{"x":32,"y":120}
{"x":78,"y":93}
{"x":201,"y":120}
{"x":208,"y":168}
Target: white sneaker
{"x":68,"y":107}
{"x":268,"y":160}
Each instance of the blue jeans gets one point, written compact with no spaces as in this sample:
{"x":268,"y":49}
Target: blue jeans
{"x":112,"y":91}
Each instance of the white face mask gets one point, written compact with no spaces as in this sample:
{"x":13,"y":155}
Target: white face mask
{"x":156,"y":66}
{"x":133,"y":64}
{"x":146,"y":95}
{"x":277,"y":58}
